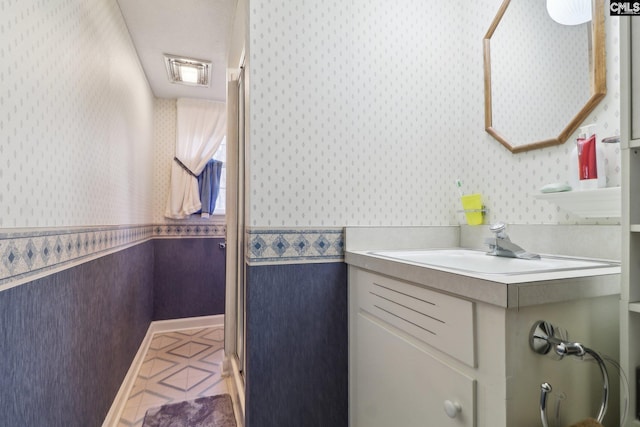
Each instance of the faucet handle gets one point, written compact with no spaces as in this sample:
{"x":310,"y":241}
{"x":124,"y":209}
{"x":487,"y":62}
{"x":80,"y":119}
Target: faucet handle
{"x":497,"y":227}
{"x":500,"y":231}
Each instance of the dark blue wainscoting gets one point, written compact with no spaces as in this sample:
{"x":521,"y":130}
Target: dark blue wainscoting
{"x":297,"y":346}
{"x":189,"y":278}
{"x":67,"y":340}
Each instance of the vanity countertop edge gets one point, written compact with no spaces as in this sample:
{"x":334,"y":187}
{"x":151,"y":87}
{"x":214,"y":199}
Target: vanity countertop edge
{"x":508,"y":291}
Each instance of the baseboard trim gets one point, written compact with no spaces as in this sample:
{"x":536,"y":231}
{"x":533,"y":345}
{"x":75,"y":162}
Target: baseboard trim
{"x":159,"y":326}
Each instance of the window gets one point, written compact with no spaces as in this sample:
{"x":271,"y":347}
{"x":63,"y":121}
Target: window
{"x":221,"y":155}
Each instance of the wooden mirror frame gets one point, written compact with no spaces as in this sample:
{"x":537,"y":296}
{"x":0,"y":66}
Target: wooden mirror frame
{"x":598,"y":80}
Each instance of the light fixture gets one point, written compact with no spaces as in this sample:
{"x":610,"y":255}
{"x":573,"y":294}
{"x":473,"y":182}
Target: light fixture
{"x":569,"y":12}
{"x":188,"y":71}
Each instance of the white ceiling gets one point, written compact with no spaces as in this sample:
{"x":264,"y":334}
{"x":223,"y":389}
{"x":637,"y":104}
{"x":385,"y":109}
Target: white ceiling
{"x":197,"y":29}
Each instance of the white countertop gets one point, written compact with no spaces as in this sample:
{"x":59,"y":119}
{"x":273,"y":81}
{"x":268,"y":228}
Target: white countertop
{"x":504,"y":290}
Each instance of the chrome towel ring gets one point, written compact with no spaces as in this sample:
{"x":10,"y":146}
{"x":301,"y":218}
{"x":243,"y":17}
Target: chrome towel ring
{"x":542,"y":340}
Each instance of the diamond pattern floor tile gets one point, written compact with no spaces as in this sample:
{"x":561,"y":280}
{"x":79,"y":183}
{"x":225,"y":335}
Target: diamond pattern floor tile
{"x":193,"y":377}
{"x":214,"y":358}
{"x":178,"y":366}
{"x":153,"y":367}
{"x":189,"y":349}
{"x":215,"y":335}
{"x":217,"y":388}
{"x":162,"y":341}
{"x":190,"y":332}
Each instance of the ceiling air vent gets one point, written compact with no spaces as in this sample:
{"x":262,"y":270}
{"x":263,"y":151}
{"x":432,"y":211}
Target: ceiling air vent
{"x":187,"y":71}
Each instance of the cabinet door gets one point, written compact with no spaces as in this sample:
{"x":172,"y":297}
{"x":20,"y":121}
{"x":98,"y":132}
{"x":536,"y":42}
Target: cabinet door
{"x":398,"y":384}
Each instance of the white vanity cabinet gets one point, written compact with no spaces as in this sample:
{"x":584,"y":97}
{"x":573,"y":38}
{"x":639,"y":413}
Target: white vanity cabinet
{"x":423,"y":357}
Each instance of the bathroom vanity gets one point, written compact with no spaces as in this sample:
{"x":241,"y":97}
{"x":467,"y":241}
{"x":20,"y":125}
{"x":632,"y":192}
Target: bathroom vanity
{"x":435,"y":344}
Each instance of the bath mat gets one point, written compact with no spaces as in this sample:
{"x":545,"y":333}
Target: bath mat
{"x":210,"y":411}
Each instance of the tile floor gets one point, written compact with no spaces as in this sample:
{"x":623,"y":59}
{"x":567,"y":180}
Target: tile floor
{"x":181,"y":365}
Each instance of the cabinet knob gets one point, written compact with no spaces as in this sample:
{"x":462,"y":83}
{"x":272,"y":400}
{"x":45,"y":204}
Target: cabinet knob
{"x":452,"y":408}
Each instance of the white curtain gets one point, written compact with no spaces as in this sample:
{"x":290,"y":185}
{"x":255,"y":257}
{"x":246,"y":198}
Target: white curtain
{"x":200,"y":129}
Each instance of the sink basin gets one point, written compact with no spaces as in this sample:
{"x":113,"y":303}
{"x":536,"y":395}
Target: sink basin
{"x":479,"y":262}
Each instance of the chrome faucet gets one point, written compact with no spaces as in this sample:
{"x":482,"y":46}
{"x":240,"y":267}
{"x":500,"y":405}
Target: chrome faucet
{"x":501,"y":245}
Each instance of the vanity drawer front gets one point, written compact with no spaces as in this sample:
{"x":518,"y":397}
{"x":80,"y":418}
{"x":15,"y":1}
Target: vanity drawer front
{"x":440,"y":320}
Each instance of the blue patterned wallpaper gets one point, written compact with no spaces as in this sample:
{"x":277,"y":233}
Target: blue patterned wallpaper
{"x":68,"y":339}
{"x":297,"y":332}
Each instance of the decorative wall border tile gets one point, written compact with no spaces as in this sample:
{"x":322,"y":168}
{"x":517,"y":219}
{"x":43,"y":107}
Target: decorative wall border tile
{"x":291,"y":246}
{"x":27,"y":254}
{"x":190,"y":230}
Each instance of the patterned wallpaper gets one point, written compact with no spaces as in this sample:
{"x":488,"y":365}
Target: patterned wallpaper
{"x":507,"y":180}
{"x":365,"y":112}
{"x":164,"y":142}
{"x":75,"y":117}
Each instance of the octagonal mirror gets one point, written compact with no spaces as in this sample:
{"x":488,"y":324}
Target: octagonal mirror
{"x":542,"y":78}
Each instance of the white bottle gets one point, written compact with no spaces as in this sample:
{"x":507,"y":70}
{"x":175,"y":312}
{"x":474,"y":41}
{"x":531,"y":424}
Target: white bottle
{"x":600,"y":164}
{"x":574,"y":180}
